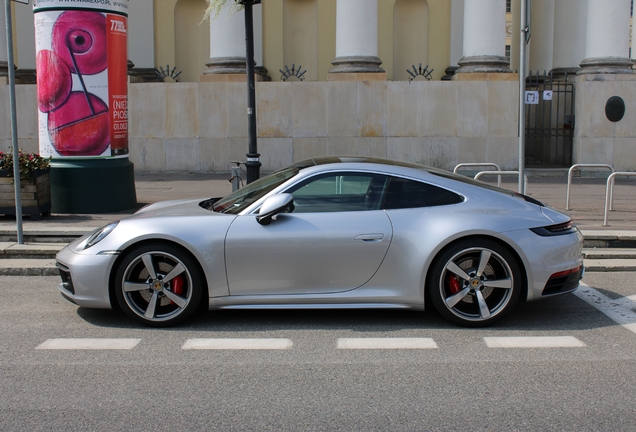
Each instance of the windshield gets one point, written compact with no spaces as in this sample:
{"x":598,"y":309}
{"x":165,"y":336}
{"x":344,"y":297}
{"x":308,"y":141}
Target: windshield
{"x":239,"y":200}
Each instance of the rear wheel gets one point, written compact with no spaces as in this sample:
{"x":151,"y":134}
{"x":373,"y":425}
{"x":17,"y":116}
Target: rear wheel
{"x":158,"y":284}
{"x":475,"y":282}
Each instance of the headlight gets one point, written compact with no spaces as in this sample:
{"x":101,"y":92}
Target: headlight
{"x":99,"y":234}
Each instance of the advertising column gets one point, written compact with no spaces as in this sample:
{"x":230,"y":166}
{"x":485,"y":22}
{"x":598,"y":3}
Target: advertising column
{"x":81,"y":63}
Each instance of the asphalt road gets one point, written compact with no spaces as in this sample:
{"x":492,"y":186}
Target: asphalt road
{"x":459,"y":384}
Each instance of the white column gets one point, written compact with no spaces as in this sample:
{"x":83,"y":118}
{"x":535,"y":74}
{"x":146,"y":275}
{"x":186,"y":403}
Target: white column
{"x":227,"y":41}
{"x":4,"y":57}
{"x":515,"y":34}
{"x":457,"y":31}
{"x":258,"y":34}
{"x":25,"y":36}
{"x":607,"y":39}
{"x":356,"y":37}
{"x":484,"y":37}
{"x":141,"y":35}
{"x":570,"y":23}
{"x":542,"y":36}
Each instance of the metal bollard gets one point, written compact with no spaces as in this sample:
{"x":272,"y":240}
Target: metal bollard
{"x":235,"y":178}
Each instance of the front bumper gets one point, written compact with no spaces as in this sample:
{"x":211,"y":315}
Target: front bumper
{"x":85,"y":277}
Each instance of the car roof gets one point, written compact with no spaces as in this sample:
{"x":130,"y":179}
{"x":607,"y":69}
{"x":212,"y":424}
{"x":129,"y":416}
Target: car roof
{"x":323,"y":160}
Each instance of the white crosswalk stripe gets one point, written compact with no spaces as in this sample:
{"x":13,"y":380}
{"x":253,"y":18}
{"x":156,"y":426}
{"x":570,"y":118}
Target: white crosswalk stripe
{"x":284,"y":344}
{"x":620,"y":310}
{"x":237,"y":344}
{"x":534,"y":342}
{"x":88,"y":344}
{"x":386,"y":343}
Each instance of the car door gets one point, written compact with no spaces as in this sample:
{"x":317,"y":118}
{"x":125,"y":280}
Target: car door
{"x":334,"y":241}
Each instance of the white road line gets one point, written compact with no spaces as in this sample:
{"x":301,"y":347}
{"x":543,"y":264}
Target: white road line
{"x":534,"y":342}
{"x":386,"y":343}
{"x":237,"y":344}
{"x":620,"y":311}
{"x":632,"y":298}
{"x":88,"y":344}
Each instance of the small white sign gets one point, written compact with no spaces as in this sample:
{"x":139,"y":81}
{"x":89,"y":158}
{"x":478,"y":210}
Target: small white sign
{"x":547,"y":94}
{"x":532,"y":97}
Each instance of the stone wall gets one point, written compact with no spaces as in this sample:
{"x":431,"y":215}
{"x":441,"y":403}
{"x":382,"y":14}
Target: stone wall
{"x":201,"y":127}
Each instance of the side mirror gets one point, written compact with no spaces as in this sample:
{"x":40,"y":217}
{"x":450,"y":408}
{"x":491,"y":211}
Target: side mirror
{"x":282,"y":203}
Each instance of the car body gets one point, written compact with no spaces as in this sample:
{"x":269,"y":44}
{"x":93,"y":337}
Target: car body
{"x":331,"y":232}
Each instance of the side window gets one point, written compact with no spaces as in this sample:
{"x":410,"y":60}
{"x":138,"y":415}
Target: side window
{"x":404,"y":193}
{"x":339,"y":192}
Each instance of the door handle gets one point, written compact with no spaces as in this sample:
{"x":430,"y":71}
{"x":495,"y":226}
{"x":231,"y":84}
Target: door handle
{"x":370,"y":237}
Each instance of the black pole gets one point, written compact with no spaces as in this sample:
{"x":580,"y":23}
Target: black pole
{"x":253,"y":165}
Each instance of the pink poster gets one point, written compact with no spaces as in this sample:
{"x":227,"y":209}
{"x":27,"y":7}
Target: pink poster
{"x":82,"y":79}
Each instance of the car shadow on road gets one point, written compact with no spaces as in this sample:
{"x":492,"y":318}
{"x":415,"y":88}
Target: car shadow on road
{"x":561,"y":313}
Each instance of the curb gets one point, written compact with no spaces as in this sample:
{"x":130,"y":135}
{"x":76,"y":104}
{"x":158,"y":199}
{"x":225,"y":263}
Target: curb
{"x":32,"y":271}
{"x":32,"y":267}
{"x":610,"y":265}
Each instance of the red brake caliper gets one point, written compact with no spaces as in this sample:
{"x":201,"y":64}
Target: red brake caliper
{"x":453,"y":284}
{"x":176,"y":286}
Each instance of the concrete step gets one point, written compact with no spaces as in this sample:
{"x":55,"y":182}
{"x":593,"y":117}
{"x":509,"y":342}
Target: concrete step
{"x":609,"y":253}
{"x":608,"y":239}
{"x":65,"y":235}
{"x":9,"y":250}
{"x":596,"y":244}
{"x":46,"y":267}
{"x":610,"y":265}
{"x":28,"y":267}
{"x":46,"y":234}
{"x":12,"y":250}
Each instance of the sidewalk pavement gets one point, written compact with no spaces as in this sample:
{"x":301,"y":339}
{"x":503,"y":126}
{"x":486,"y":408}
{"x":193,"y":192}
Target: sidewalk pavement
{"x":587,"y":203}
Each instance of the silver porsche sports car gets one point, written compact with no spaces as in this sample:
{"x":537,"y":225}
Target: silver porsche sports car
{"x":331,"y":232}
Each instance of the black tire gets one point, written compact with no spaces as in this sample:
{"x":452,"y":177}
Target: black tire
{"x":158,"y":284}
{"x":474,"y":282}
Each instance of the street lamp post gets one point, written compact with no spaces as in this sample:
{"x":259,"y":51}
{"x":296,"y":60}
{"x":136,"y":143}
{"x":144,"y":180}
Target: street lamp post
{"x":253,"y":164}
{"x":14,"y":122}
{"x":525,"y":35}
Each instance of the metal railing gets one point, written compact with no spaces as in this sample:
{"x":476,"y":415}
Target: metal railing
{"x":235,"y":175}
{"x":500,"y":173}
{"x":571,"y":170}
{"x":609,"y":192}
{"x":481,"y":164}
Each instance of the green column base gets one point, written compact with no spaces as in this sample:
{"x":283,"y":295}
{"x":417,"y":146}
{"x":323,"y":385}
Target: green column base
{"x":92,"y":186}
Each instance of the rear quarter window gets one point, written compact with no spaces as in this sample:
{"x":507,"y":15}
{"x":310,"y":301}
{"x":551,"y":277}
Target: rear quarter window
{"x":404,"y":194}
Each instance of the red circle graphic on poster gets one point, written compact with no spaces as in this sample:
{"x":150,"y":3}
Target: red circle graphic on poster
{"x":82,"y":80}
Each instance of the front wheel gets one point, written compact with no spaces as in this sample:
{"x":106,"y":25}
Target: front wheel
{"x":158,"y":285}
{"x":474,"y":282}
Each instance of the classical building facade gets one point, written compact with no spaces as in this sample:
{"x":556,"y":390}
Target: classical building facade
{"x":356,"y":96}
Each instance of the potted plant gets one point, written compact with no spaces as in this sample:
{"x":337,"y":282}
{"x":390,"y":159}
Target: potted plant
{"x":35,"y":190}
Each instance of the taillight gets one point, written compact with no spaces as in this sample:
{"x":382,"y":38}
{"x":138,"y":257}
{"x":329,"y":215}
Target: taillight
{"x":555,"y":230}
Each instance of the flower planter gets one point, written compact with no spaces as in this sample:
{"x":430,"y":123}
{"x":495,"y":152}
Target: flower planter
{"x":35,"y":193}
